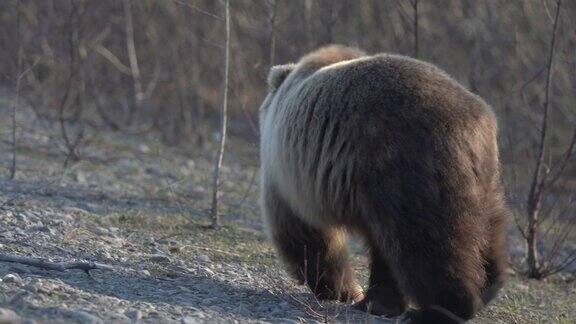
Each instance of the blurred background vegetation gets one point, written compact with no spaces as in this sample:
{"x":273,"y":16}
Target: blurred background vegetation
{"x":156,"y":66}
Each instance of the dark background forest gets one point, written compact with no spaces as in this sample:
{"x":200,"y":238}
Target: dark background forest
{"x":157,"y":64}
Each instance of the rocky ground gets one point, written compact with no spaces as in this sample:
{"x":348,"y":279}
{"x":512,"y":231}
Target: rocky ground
{"x":141,"y":207}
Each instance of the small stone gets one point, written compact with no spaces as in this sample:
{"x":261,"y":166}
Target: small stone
{"x":172,"y":274}
{"x":81,"y":177}
{"x":31,"y":288}
{"x":73,"y":210}
{"x":159,"y":258}
{"x":522,"y":287}
{"x":206,"y":272}
{"x":12,"y":278}
{"x":21,"y":217}
{"x":8,"y":316}
{"x":88,"y":318}
{"x":189,"y":320}
{"x":145,"y":272}
{"x":197,"y":315}
{"x":134,"y":314}
{"x":153,"y":314}
{"x":242,"y":310}
{"x":104,"y":254}
{"x":203,"y":258}
{"x":144,"y":148}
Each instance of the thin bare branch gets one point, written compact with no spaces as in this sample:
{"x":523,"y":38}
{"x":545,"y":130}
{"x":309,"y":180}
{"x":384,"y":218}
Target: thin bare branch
{"x":519,"y":226}
{"x":567,"y":155}
{"x":537,"y":183}
{"x":56,"y":266}
{"x":538,"y":186}
{"x":198,"y":9}
{"x":272,"y":41}
{"x":17,"y":99}
{"x":223,"y":130}
{"x":414,"y":4}
{"x":571,"y":258}
{"x":113,"y":59}
{"x":133,"y":60}
{"x":247,"y":193}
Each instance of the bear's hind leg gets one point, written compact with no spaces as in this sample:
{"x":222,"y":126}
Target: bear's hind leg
{"x":495,"y":257}
{"x":383,"y":296}
{"x":443,"y":276}
{"x":316,"y":257}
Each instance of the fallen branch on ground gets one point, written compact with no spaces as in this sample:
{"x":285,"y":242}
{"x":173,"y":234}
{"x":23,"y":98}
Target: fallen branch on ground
{"x":85,"y":266}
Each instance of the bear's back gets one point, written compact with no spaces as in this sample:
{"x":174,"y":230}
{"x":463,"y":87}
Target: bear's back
{"x":338,"y":125}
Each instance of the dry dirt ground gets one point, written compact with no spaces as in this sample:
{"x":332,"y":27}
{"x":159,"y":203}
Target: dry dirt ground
{"x":141,"y":207}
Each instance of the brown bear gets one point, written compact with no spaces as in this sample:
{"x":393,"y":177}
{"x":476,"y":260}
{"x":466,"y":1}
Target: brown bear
{"x":394,"y":150}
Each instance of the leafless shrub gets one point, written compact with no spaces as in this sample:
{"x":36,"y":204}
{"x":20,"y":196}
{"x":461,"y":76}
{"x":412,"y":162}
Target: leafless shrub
{"x":545,"y":177}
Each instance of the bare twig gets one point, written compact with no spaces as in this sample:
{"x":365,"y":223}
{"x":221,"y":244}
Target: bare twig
{"x":539,"y":180}
{"x":216,"y":180}
{"x":272,"y":20}
{"x":414,"y":4}
{"x":116,"y":62}
{"x":17,"y":100}
{"x":198,"y":9}
{"x":565,"y":160}
{"x":73,"y":79}
{"x":247,"y":193}
{"x":85,"y":266}
{"x":133,"y":60}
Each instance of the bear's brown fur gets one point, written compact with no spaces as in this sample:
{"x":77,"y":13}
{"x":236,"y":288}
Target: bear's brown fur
{"x":393,"y":149}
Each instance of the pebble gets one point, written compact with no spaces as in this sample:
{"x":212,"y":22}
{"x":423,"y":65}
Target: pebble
{"x":135,"y":315}
{"x":197,"y":315}
{"x":31,"y":288}
{"x":87,"y":318}
{"x":74,"y":210}
{"x":8,"y":316}
{"x":522,"y":287}
{"x":206,"y":272}
{"x":242,"y":310}
{"x":12,"y":278}
{"x":190,"y":320}
{"x":20,"y":232}
{"x":104,"y":254}
{"x":81,"y":177}
{"x":203,"y":258}
{"x":21,"y":217}
{"x":159,"y":258}
{"x":144,"y":148}
{"x":145,"y":272}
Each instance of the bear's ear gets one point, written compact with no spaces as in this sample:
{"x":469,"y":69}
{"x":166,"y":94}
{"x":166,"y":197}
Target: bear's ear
{"x":278,"y":74}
